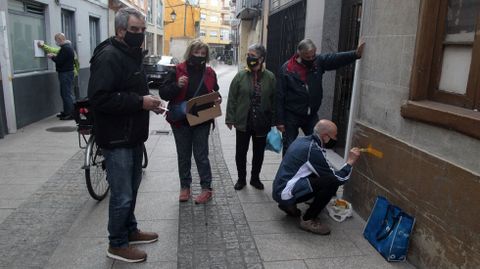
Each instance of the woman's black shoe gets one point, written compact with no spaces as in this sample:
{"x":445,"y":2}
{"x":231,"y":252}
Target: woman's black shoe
{"x":257,"y":184}
{"x":239,"y":185}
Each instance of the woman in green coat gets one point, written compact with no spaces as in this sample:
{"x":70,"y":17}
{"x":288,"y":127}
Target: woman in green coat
{"x":250,"y":110}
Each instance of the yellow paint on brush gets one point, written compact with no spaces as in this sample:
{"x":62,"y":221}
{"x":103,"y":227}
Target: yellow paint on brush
{"x":371,"y":150}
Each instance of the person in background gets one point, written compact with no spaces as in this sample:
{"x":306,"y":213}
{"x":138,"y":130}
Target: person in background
{"x":53,"y":50}
{"x":300,"y":88}
{"x":76,"y":63}
{"x":121,"y":103}
{"x":250,"y":109}
{"x":305,"y":173}
{"x":191,"y":78}
{"x":64,"y":64}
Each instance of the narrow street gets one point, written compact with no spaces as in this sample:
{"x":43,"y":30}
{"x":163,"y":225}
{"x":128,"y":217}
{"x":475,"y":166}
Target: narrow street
{"x":48,"y":220}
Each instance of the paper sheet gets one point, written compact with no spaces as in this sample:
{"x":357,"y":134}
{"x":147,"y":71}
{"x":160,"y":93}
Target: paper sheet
{"x":38,"y":51}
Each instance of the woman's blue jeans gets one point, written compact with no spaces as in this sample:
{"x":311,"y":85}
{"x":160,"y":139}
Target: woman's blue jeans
{"x":194,"y":139}
{"x":124,"y":174}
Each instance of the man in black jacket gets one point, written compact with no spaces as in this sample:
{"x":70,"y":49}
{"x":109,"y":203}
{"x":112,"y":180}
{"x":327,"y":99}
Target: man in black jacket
{"x":299,"y":89}
{"x":64,"y":66}
{"x":121,"y":103}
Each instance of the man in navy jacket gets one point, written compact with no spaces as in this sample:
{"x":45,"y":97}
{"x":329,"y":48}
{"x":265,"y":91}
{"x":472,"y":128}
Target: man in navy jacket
{"x":300,"y":91}
{"x":64,"y":66}
{"x":305,"y":173}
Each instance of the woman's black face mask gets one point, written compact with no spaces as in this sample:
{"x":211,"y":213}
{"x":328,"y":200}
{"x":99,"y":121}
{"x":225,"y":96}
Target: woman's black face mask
{"x":197,"y":60}
{"x":252,"y":61}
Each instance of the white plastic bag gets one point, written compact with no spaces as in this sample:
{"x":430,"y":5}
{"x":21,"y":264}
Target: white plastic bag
{"x":339,"y":209}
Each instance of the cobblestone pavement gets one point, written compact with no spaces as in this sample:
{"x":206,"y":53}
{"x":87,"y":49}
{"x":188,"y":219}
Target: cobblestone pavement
{"x":216,"y":234}
{"x":31,"y":233}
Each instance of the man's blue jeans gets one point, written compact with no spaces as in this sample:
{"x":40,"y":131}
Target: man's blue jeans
{"x":124,"y":174}
{"x":293,"y":123}
{"x":66,"y":91}
{"x":188,"y":139}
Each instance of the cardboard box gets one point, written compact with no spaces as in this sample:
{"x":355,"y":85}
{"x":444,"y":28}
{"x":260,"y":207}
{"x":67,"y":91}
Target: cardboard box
{"x":203,"y":108}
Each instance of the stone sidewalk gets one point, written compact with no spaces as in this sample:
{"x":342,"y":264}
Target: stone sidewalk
{"x":47,"y":219}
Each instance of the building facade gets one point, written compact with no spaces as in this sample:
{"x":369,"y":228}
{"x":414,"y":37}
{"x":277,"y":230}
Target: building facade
{"x":154,"y":33}
{"x":30,"y":89}
{"x":215,"y":27}
{"x":180,"y":28}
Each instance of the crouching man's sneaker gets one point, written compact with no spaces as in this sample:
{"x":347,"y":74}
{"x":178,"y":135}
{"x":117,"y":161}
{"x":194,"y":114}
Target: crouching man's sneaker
{"x":314,"y":226}
{"x":126,"y":254}
{"x":140,"y":237}
{"x":204,"y":196}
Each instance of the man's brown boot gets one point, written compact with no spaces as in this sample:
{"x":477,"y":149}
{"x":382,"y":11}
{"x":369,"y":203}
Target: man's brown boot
{"x":140,"y":237}
{"x":126,"y":254}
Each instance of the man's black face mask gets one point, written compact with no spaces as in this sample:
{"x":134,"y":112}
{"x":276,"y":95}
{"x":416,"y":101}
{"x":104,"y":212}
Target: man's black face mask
{"x":308,"y":63}
{"x":330,"y":144}
{"x":134,"y":40}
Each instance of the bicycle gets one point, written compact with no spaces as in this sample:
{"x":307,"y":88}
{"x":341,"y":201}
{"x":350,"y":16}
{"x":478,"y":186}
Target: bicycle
{"x":94,"y":162}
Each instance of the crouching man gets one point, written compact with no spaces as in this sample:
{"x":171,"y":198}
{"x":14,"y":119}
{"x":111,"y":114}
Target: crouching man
{"x":304,"y":173}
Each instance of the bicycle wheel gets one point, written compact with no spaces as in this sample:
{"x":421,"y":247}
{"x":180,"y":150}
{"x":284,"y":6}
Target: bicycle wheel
{"x":145,"y":157}
{"x":95,"y":171}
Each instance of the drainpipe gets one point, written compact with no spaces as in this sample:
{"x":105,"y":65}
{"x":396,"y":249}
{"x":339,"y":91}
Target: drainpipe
{"x":353,"y":100}
{"x":6,"y":69}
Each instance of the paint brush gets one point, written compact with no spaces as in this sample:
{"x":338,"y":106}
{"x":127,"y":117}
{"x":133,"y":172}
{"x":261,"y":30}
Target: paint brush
{"x":371,"y":150}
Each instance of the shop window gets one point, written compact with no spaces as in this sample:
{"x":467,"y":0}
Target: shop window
{"x":26,"y":22}
{"x":445,"y":80}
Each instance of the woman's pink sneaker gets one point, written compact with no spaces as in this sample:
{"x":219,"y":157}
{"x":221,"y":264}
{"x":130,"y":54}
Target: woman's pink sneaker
{"x":184,"y":195}
{"x":204,"y":196}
